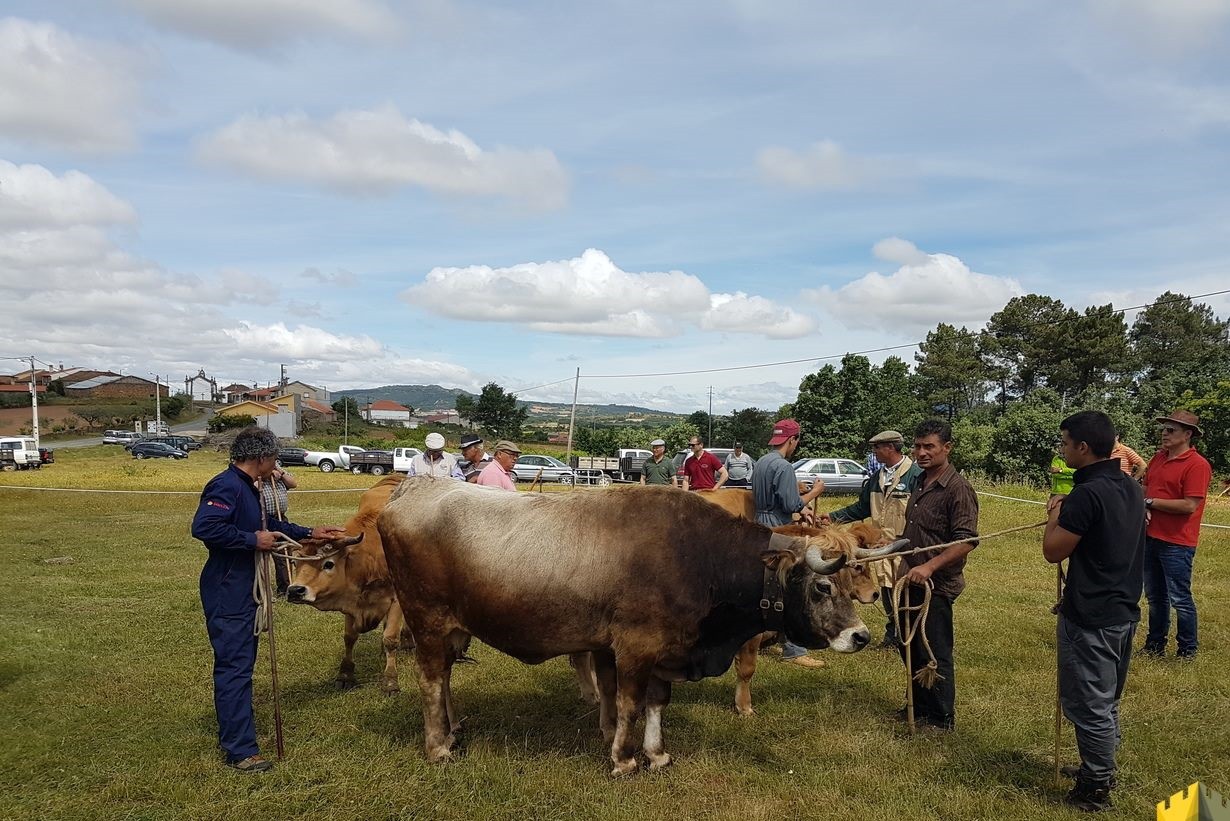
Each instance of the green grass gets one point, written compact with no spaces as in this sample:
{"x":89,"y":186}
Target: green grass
{"x":106,"y":712}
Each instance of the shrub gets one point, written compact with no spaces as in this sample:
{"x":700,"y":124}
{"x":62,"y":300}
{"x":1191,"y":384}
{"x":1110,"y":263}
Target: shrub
{"x":227,"y":421}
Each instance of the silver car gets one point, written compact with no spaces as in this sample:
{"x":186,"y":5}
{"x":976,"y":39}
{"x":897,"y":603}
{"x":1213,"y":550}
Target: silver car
{"x":839,"y":475}
{"x":553,"y":470}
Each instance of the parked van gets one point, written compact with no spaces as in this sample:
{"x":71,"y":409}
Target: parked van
{"x":19,"y":454}
{"x":120,"y":437}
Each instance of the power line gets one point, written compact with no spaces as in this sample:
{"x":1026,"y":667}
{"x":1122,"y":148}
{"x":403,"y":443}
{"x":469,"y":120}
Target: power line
{"x":877,"y":350}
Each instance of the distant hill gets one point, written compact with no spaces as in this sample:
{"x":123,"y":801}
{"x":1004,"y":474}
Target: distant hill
{"x":426,"y":398}
{"x":419,"y":397}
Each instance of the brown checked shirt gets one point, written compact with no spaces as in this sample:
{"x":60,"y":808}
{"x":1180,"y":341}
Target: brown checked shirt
{"x":944,"y":509}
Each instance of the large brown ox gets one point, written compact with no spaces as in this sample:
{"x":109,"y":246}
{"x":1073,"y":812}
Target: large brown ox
{"x":349,"y":575}
{"x":854,"y":578}
{"x":648,"y":579}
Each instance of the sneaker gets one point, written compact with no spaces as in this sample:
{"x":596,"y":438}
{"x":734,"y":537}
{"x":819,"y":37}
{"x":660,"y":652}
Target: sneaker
{"x":251,"y":764}
{"x":1153,"y":651}
{"x":1186,"y":655}
{"x":806,"y":661}
{"x":1089,"y":798}
{"x":889,"y":643}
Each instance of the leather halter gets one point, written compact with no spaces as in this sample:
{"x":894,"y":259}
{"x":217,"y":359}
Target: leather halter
{"x":772,"y":602}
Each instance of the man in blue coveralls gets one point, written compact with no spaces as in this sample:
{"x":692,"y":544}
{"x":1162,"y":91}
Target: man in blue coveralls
{"x":228,"y":521}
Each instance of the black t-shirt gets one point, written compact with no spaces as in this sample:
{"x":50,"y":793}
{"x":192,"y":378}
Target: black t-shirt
{"x":1106,"y":509}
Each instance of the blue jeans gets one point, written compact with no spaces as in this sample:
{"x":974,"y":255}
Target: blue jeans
{"x":1168,"y":583}
{"x":791,"y":650}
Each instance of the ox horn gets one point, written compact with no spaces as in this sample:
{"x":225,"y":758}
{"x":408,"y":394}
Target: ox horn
{"x":879,"y":552}
{"x":818,"y":564}
{"x":347,"y":541}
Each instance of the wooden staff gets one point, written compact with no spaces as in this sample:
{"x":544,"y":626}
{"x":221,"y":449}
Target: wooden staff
{"x":267,"y":588}
{"x":1058,"y":705}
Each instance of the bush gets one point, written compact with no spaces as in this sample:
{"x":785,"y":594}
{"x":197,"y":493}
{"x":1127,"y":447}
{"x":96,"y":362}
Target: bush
{"x":1024,"y":440}
{"x":226,"y":421}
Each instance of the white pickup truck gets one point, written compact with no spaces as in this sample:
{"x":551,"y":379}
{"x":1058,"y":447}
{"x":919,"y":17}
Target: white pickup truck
{"x":329,"y":461}
{"x":380,"y":462}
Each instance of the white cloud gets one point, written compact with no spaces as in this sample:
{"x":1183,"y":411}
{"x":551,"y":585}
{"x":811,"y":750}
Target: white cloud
{"x":339,"y":278}
{"x":741,"y":313}
{"x":923,"y":291}
{"x":823,"y":166}
{"x":590,"y":295}
{"x":900,"y":251}
{"x":62,"y":90}
{"x":1174,"y":26}
{"x":253,"y":25}
{"x":33,"y":197}
{"x":72,"y":294}
{"x":303,"y":342}
{"x":378,"y":151}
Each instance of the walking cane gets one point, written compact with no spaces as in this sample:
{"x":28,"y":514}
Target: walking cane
{"x":266,"y":588}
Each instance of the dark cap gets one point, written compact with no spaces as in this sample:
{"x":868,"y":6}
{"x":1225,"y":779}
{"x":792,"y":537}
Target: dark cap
{"x":783,"y":430}
{"x":470,"y":440}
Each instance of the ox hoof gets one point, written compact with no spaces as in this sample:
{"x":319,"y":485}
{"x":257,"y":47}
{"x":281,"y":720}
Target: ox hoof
{"x":658,"y":762}
{"x":390,"y":688}
{"x":345,"y":683}
{"x":745,"y":712}
{"x":623,"y":769}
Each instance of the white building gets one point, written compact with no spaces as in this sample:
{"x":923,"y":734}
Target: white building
{"x":387,"y":412}
{"x":201,"y":388}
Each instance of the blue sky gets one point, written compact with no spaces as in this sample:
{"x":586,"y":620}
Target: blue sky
{"x":453,"y":192}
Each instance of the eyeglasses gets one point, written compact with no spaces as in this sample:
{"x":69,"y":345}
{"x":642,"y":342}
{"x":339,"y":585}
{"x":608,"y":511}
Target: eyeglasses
{"x":1168,"y":429}
{"x":694,"y":444}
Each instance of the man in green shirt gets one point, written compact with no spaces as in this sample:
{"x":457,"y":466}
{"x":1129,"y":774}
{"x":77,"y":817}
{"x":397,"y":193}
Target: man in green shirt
{"x":658,"y":470}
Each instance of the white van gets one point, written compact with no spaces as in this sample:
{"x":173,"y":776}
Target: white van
{"x":19,"y":454}
{"x":120,"y":437}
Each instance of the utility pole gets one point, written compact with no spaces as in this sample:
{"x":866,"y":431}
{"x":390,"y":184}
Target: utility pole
{"x":572,"y":421}
{"x":346,"y":420}
{"x":34,"y":401}
{"x":710,"y":439}
{"x":157,"y":404}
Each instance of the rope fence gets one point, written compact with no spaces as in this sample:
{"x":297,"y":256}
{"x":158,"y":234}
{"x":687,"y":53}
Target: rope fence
{"x":361,"y":489}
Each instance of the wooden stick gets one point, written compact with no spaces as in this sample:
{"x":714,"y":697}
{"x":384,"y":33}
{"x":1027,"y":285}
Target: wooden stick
{"x":1058,"y":705}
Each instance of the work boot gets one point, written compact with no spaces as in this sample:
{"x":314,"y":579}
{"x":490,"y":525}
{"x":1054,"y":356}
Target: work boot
{"x":806,"y":661}
{"x":1073,"y":771}
{"x":1153,"y":651}
{"x":252,"y":764}
{"x":1087,"y":796}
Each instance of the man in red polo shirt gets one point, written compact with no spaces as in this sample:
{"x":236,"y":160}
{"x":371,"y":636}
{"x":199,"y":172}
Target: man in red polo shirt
{"x":702,"y":470}
{"x":1176,"y":484}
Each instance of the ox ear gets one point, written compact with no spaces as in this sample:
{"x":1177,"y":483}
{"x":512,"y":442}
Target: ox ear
{"x":782,"y":552}
{"x":867,"y":532}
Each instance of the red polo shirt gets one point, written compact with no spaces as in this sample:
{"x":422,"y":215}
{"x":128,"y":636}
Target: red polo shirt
{"x":702,"y":473}
{"x":1187,"y":474}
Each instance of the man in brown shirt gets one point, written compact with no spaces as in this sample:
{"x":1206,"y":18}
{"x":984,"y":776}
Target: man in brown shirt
{"x":942,"y":508}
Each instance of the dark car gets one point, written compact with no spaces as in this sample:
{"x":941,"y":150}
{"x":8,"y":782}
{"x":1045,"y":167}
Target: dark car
{"x":184,"y":443}
{"x":156,"y":450}
{"x":292,"y":456}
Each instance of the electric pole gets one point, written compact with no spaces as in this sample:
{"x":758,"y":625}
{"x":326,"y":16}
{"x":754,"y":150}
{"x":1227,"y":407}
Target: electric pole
{"x":34,"y":401}
{"x":710,"y":439}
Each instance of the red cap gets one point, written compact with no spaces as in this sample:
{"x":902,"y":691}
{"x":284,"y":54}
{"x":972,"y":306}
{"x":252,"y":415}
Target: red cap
{"x":783,"y":430}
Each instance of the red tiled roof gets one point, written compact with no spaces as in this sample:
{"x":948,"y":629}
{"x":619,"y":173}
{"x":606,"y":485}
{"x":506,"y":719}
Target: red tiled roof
{"x":388,"y":405}
{"x":22,"y":388}
{"x":319,"y":407}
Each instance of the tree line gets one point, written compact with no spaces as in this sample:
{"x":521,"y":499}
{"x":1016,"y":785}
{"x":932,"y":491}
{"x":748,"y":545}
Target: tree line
{"x":1006,"y":388}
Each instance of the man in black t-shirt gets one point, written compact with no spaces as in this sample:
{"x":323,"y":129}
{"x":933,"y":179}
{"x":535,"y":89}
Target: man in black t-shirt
{"x":1100,"y":529}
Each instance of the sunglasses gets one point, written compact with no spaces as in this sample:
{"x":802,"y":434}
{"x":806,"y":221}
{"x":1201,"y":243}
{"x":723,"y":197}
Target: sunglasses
{"x":1169,"y":429}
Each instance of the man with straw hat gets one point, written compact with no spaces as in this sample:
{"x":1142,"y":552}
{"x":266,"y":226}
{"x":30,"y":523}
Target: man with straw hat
{"x":1176,"y":484}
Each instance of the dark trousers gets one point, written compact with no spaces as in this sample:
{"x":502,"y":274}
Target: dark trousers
{"x":234,"y":657}
{"x":1093,"y":668}
{"x":1168,"y":583}
{"x":937,"y":703}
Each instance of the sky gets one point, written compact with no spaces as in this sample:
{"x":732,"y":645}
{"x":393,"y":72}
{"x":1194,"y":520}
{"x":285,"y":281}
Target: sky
{"x":376,"y":192}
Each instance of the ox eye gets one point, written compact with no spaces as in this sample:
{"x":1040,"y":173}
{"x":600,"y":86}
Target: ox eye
{"x":326,"y":565}
{"x":821,"y":588}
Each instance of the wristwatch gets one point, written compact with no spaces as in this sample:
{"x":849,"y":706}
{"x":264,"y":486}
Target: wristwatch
{"x":1148,"y":503}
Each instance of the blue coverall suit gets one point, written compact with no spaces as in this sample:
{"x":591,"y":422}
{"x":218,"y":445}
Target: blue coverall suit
{"x":226,"y":520}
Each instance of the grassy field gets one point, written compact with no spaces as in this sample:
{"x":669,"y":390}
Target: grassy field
{"x":106,"y":711}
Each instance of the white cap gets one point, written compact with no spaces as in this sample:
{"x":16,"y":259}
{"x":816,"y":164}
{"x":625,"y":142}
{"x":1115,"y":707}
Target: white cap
{"x":656,"y":442}
{"x":434,"y":441}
